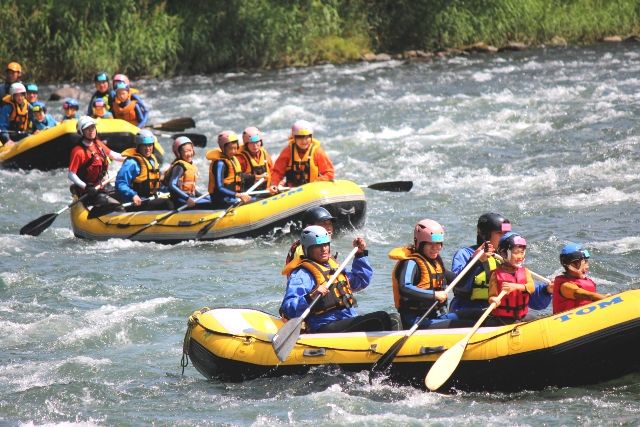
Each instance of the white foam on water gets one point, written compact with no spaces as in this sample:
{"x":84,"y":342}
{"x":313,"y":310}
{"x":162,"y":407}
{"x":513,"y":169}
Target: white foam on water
{"x":603,"y":196}
{"x":482,"y":76}
{"x":619,"y":246}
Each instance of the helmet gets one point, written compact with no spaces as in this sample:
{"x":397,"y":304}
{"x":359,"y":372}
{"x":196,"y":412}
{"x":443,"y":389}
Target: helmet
{"x":573,"y":252}
{"x":427,"y":231}
{"x":227,"y":137}
{"x":98,"y":102}
{"x":509,"y":241}
{"x":145,"y":137}
{"x":39,"y":106}
{"x":251,"y":134}
{"x":121,"y":86}
{"x":179,"y":142}
{"x":32,"y":87}
{"x":301,"y":128}
{"x":313,"y":235}
{"x":83,"y":123}
{"x":120,"y":78}
{"x":70,"y":103}
{"x":491,"y":222}
{"x":314,"y":215}
{"x":14,"y":66}
{"x":101,"y":76}
{"x":17,"y":88}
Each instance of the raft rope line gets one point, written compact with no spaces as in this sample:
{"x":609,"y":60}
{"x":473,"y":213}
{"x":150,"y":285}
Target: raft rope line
{"x":127,"y":225}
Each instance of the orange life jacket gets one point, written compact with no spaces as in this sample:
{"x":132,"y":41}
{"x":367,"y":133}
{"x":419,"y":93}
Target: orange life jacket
{"x":302,"y":169}
{"x":431,"y":277}
{"x":126,"y":112}
{"x":233,"y":179}
{"x":147,"y":183}
{"x":19,"y":117}
{"x":187,"y":181}
{"x":258,"y":166}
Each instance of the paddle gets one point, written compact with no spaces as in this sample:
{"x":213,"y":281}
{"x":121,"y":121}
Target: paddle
{"x":533,"y":274}
{"x":204,"y":230}
{"x":37,"y":226}
{"x":395,"y":186}
{"x":285,"y":339}
{"x":175,"y":125}
{"x":385,"y":360}
{"x":449,"y":360}
{"x":98,"y":211}
{"x":163,"y":217}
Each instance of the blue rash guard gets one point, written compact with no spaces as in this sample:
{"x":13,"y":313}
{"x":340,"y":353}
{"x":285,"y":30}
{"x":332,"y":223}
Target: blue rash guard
{"x":47,"y":123}
{"x":301,"y":282}
{"x":129,"y":170}
{"x":178,"y":196}
{"x":5,"y":122}
{"x":142,"y":112}
{"x":223,"y":196}
{"x":539,"y":300}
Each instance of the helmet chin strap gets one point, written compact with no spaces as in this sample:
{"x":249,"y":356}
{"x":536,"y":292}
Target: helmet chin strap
{"x":576,"y":270}
{"x":518,"y":264}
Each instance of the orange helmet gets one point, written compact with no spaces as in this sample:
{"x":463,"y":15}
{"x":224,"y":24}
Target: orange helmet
{"x":14,"y":66}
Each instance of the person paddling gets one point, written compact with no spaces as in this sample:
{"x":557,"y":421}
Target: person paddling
{"x":334,"y":310}
{"x":302,"y":161}
{"x":89,"y":164}
{"x":139,"y":176}
{"x":226,"y":179}
{"x":573,"y":288}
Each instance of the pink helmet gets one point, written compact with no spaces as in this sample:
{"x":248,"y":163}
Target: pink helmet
{"x":227,"y":137}
{"x":301,"y":128}
{"x":179,"y":142}
{"x":427,"y":231}
{"x":17,"y":88}
{"x":251,"y":134}
{"x":121,"y":78}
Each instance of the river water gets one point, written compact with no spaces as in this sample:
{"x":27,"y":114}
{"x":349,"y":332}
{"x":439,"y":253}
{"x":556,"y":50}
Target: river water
{"x":91,"y":332}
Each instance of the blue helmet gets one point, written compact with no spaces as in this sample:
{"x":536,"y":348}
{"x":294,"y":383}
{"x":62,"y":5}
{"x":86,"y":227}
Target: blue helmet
{"x":32,"y":87}
{"x":39,"y":106}
{"x":145,"y":137}
{"x":313,"y":235}
{"x":573,"y":252}
{"x":70,"y":103}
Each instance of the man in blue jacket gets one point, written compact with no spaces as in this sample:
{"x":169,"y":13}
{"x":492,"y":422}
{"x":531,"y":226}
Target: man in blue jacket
{"x":334,"y":311}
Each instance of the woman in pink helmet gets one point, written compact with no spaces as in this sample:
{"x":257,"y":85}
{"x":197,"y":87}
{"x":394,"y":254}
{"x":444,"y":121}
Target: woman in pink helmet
{"x":226,"y":179}
{"x":182,"y":175}
{"x":302,"y":160}
{"x":419,"y":277}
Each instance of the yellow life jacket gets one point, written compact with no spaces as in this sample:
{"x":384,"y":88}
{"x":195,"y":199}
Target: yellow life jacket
{"x":233,"y":180}
{"x":480,"y":286}
{"x":147,"y":183}
{"x":127,"y":112}
{"x":257,"y":166}
{"x":431,"y":277}
{"x":340,"y":295}
{"x":19,"y":117}
{"x":302,"y":169}
{"x":187,"y":181}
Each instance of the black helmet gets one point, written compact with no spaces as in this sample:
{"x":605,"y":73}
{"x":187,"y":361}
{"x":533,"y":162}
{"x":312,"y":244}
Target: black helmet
{"x":315,"y":215}
{"x":491,"y":222}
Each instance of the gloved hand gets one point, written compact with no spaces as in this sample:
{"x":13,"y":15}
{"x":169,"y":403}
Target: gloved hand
{"x":91,"y":190}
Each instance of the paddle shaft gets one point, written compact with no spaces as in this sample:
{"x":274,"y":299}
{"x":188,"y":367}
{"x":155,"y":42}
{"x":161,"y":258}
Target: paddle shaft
{"x":163,"y":217}
{"x":533,"y":274}
{"x":448,"y":361}
{"x":385,"y":360}
{"x":204,"y":230}
{"x":287,"y":336}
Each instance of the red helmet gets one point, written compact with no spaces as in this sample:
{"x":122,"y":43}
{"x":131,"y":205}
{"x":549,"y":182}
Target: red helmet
{"x":227,"y":137}
{"x":427,"y":231}
{"x":179,"y":142}
{"x":251,"y":134}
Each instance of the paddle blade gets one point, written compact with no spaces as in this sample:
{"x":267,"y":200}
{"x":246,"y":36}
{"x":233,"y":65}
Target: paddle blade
{"x":395,"y":186}
{"x":198,"y":139}
{"x":285,"y":339}
{"x":37,"y":226}
{"x":98,"y":211}
{"x":385,"y":360}
{"x":176,"y":125}
{"x":444,"y":367}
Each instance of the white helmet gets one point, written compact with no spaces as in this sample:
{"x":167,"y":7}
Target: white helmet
{"x":83,"y":123}
{"x":17,"y":88}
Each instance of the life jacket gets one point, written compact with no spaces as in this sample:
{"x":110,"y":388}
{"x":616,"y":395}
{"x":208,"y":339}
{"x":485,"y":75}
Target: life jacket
{"x":98,"y":159}
{"x":125,"y":112}
{"x":259,"y":166}
{"x":480,"y":286}
{"x":233,"y":179}
{"x":19,"y":117}
{"x":302,"y":170}
{"x":187,"y":182}
{"x":106,"y":97}
{"x":516,"y":303}
{"x":339,"y":296}
{"x":431,"y":277}
{"x":147,"y":183}
{"x":561,"y":303}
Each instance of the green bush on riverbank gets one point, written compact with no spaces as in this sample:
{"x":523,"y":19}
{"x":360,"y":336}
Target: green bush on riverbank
{"x":70,"y":40}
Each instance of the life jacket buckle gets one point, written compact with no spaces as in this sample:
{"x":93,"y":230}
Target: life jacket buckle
{"x":515,"y":332}
{"x":248,"y":340}
{"x":373,"y":348}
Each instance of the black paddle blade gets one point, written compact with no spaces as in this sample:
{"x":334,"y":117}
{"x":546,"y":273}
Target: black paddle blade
{"x":198,"y":139}
{"x":385,"y":360}
{"x":395,"y":186}
{"x":37,"y":226}
{"x":285,"y":339}
{"x":98,"y":211}
{"x":176,"y":125}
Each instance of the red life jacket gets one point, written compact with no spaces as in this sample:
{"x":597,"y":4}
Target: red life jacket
{"x":95,"y":168}
{"x":515,"y":304}
{"x":561,"y":303}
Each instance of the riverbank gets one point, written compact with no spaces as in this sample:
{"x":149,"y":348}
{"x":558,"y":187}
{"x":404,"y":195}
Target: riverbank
{"x":57,"y":41}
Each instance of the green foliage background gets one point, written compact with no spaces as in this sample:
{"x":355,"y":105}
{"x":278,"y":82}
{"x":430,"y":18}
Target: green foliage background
{"x":70,"y":40}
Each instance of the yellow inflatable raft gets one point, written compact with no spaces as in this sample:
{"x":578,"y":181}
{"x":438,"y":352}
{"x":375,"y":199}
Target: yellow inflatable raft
{"x":344,"y":199}
{"x":594,"y":343}
{"x":50,"y":148}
